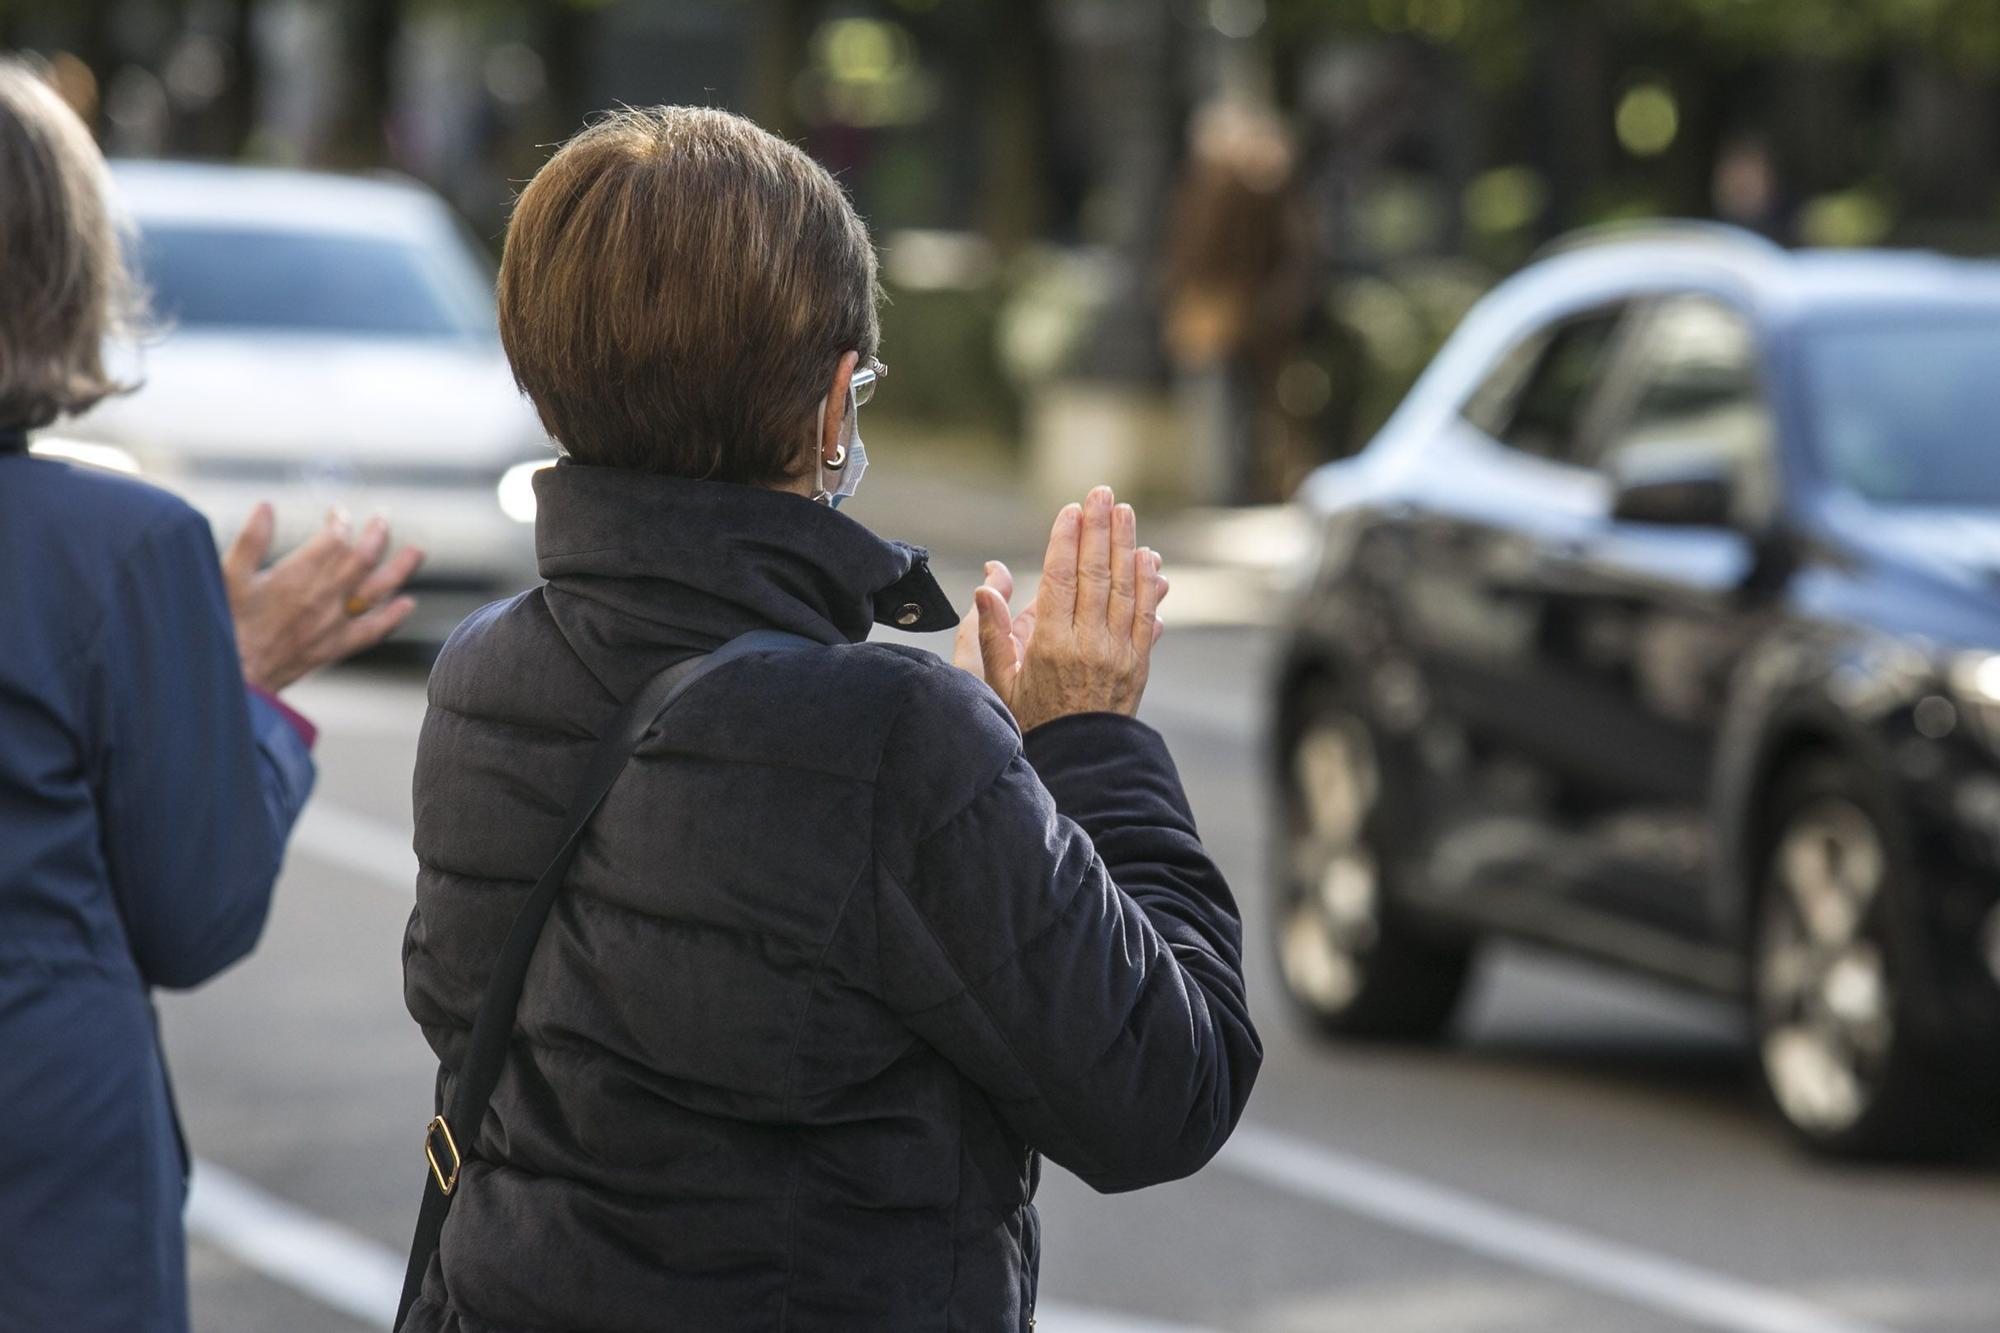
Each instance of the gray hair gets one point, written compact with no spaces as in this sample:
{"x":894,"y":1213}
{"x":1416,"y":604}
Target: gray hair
{"x":63,"y":283}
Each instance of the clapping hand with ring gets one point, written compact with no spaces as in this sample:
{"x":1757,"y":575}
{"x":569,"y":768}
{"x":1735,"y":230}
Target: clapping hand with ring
{"x":329,"y":599}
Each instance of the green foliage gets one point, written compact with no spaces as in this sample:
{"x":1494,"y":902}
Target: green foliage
{"x":1962,"y":31}
{"x":1385,"y":328}
{"x":509,"y":8}
{"x":1490,"y":34}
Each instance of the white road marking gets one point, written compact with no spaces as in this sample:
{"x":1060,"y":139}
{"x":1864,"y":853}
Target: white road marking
{"x":363,"y":1279}
{"x":336,"y":1267}
{"x":360,"y":843}
{"x":1708,"y":1299}
{"x":1056,"y":1317}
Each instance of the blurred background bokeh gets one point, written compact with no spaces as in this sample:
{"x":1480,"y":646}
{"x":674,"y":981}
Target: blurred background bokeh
{"x":1196,"y":249}
{"x":1226,"y":234}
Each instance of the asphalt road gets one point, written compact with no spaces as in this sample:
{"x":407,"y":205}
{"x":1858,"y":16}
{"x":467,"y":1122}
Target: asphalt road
{"x":1586,"y":1156}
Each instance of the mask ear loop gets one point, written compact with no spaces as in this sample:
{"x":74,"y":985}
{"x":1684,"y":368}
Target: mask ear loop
{"x":824,"y":494}
{"x":839,"y":460}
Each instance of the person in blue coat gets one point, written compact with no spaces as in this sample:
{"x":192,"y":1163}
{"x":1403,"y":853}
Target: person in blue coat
{"x":149,"y":775}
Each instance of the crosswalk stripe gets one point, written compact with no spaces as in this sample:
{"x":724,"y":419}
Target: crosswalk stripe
{"x":1708,"y":1299}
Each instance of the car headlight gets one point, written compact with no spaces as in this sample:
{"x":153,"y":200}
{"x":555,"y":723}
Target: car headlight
{"x":107,"y":456}
{"x":516,"y":491}
{"x":1975,"y":679}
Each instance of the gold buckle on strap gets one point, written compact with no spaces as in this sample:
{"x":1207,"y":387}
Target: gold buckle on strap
{"x":447,"y":1181}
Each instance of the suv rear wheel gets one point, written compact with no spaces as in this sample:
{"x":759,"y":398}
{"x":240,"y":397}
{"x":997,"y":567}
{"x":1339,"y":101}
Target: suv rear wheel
{"x":1351,"y":960}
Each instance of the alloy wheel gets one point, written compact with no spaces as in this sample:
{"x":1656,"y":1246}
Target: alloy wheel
{"x":1333,"y":918}
{"x":1824,"y":990}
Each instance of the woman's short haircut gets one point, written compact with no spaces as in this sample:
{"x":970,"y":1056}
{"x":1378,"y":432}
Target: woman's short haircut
{"x":63,"y":284}
{"x":677,"y":288}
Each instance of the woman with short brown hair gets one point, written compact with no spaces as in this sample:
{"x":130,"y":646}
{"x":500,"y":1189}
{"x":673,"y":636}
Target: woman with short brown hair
{"x":149,"y":775}
{"x":856,"y":936}
{"x":676,"y":288}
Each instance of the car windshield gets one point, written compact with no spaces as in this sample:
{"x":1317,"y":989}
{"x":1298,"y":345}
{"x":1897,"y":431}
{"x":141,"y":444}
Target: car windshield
{"x":1906,"y":409}
{"x":202,"y":276}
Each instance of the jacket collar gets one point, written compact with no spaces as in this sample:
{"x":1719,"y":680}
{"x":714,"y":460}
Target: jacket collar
{"x":13,"y":441}
{"x":718,"y":559}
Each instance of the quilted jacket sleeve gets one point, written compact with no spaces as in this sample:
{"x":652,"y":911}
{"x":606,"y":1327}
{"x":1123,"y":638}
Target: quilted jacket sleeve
{"x":1048,"y":919}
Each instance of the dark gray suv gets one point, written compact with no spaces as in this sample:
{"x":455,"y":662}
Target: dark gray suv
{"x":1661,"y":624}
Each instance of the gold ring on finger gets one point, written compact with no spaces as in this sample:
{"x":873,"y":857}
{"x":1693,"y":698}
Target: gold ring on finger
{"x":358,"y":605}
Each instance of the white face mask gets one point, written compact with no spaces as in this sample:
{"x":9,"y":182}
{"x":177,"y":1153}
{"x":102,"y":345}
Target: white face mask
{"x":845,"y":479}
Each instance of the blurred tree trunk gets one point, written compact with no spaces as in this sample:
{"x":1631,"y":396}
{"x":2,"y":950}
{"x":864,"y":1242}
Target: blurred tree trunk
{"x":778,"y":56}
{"x":1705,"y":88}
{"x":1940,"y":129}
{"x":1570,"y":107}
{"x":567,"y":38}
{"x":96,"y":47}
{"x":235,"y":111}
{"x":1140,"y":106}
{"x":1814,"y":125}
{"x":1457,"y":131}
{"x":362,"y":136}
{"x":1019,"y":104}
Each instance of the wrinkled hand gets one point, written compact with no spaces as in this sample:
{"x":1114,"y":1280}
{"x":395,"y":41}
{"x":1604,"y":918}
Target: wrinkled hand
{"x":965,"y":647}
{"x":1085,"y":645}
{"x":329,"y":599}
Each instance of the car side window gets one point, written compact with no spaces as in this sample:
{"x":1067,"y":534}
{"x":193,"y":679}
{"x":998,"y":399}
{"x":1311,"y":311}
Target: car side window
{"x":1698,"y":387}
{"x":1537,"y":397}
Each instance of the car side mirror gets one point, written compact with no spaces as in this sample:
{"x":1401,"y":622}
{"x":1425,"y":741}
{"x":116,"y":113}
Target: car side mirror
{"x":1678,"y":484}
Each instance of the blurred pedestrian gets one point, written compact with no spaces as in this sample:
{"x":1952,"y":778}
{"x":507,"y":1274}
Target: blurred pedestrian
{"x":1746,"y":189}
{"x":149,"y":775}
{"x":1235,"y":284}
{"x":854,"y":938}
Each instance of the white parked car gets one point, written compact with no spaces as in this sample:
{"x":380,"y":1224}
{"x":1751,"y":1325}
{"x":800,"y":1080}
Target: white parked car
{"x":324,"y":340}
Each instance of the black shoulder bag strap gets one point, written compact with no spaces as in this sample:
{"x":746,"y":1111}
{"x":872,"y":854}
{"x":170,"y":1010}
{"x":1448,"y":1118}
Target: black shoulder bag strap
{"x":493,"y":1028}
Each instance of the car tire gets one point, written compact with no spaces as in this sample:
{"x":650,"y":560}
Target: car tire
{"x":1353,"y":960}
{"x":1837,"y":1056}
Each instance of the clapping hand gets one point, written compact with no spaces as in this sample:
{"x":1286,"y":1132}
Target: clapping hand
{"x":1085,"y":644}
{"x":332,"y":597}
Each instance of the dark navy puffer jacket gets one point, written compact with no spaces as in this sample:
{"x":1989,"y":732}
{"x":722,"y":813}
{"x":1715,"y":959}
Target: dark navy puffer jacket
{"x":841,"y":955}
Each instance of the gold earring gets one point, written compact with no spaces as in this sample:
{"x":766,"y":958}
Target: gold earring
{"x":839,"y":460}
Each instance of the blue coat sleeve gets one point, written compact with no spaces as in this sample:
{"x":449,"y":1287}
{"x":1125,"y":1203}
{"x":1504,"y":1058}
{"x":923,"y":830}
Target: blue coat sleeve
{"x":1051,"y":923}
{"x":198,"y":781}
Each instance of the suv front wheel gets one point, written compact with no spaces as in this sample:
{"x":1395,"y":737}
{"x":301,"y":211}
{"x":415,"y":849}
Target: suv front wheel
{"x":1351,"y":960}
